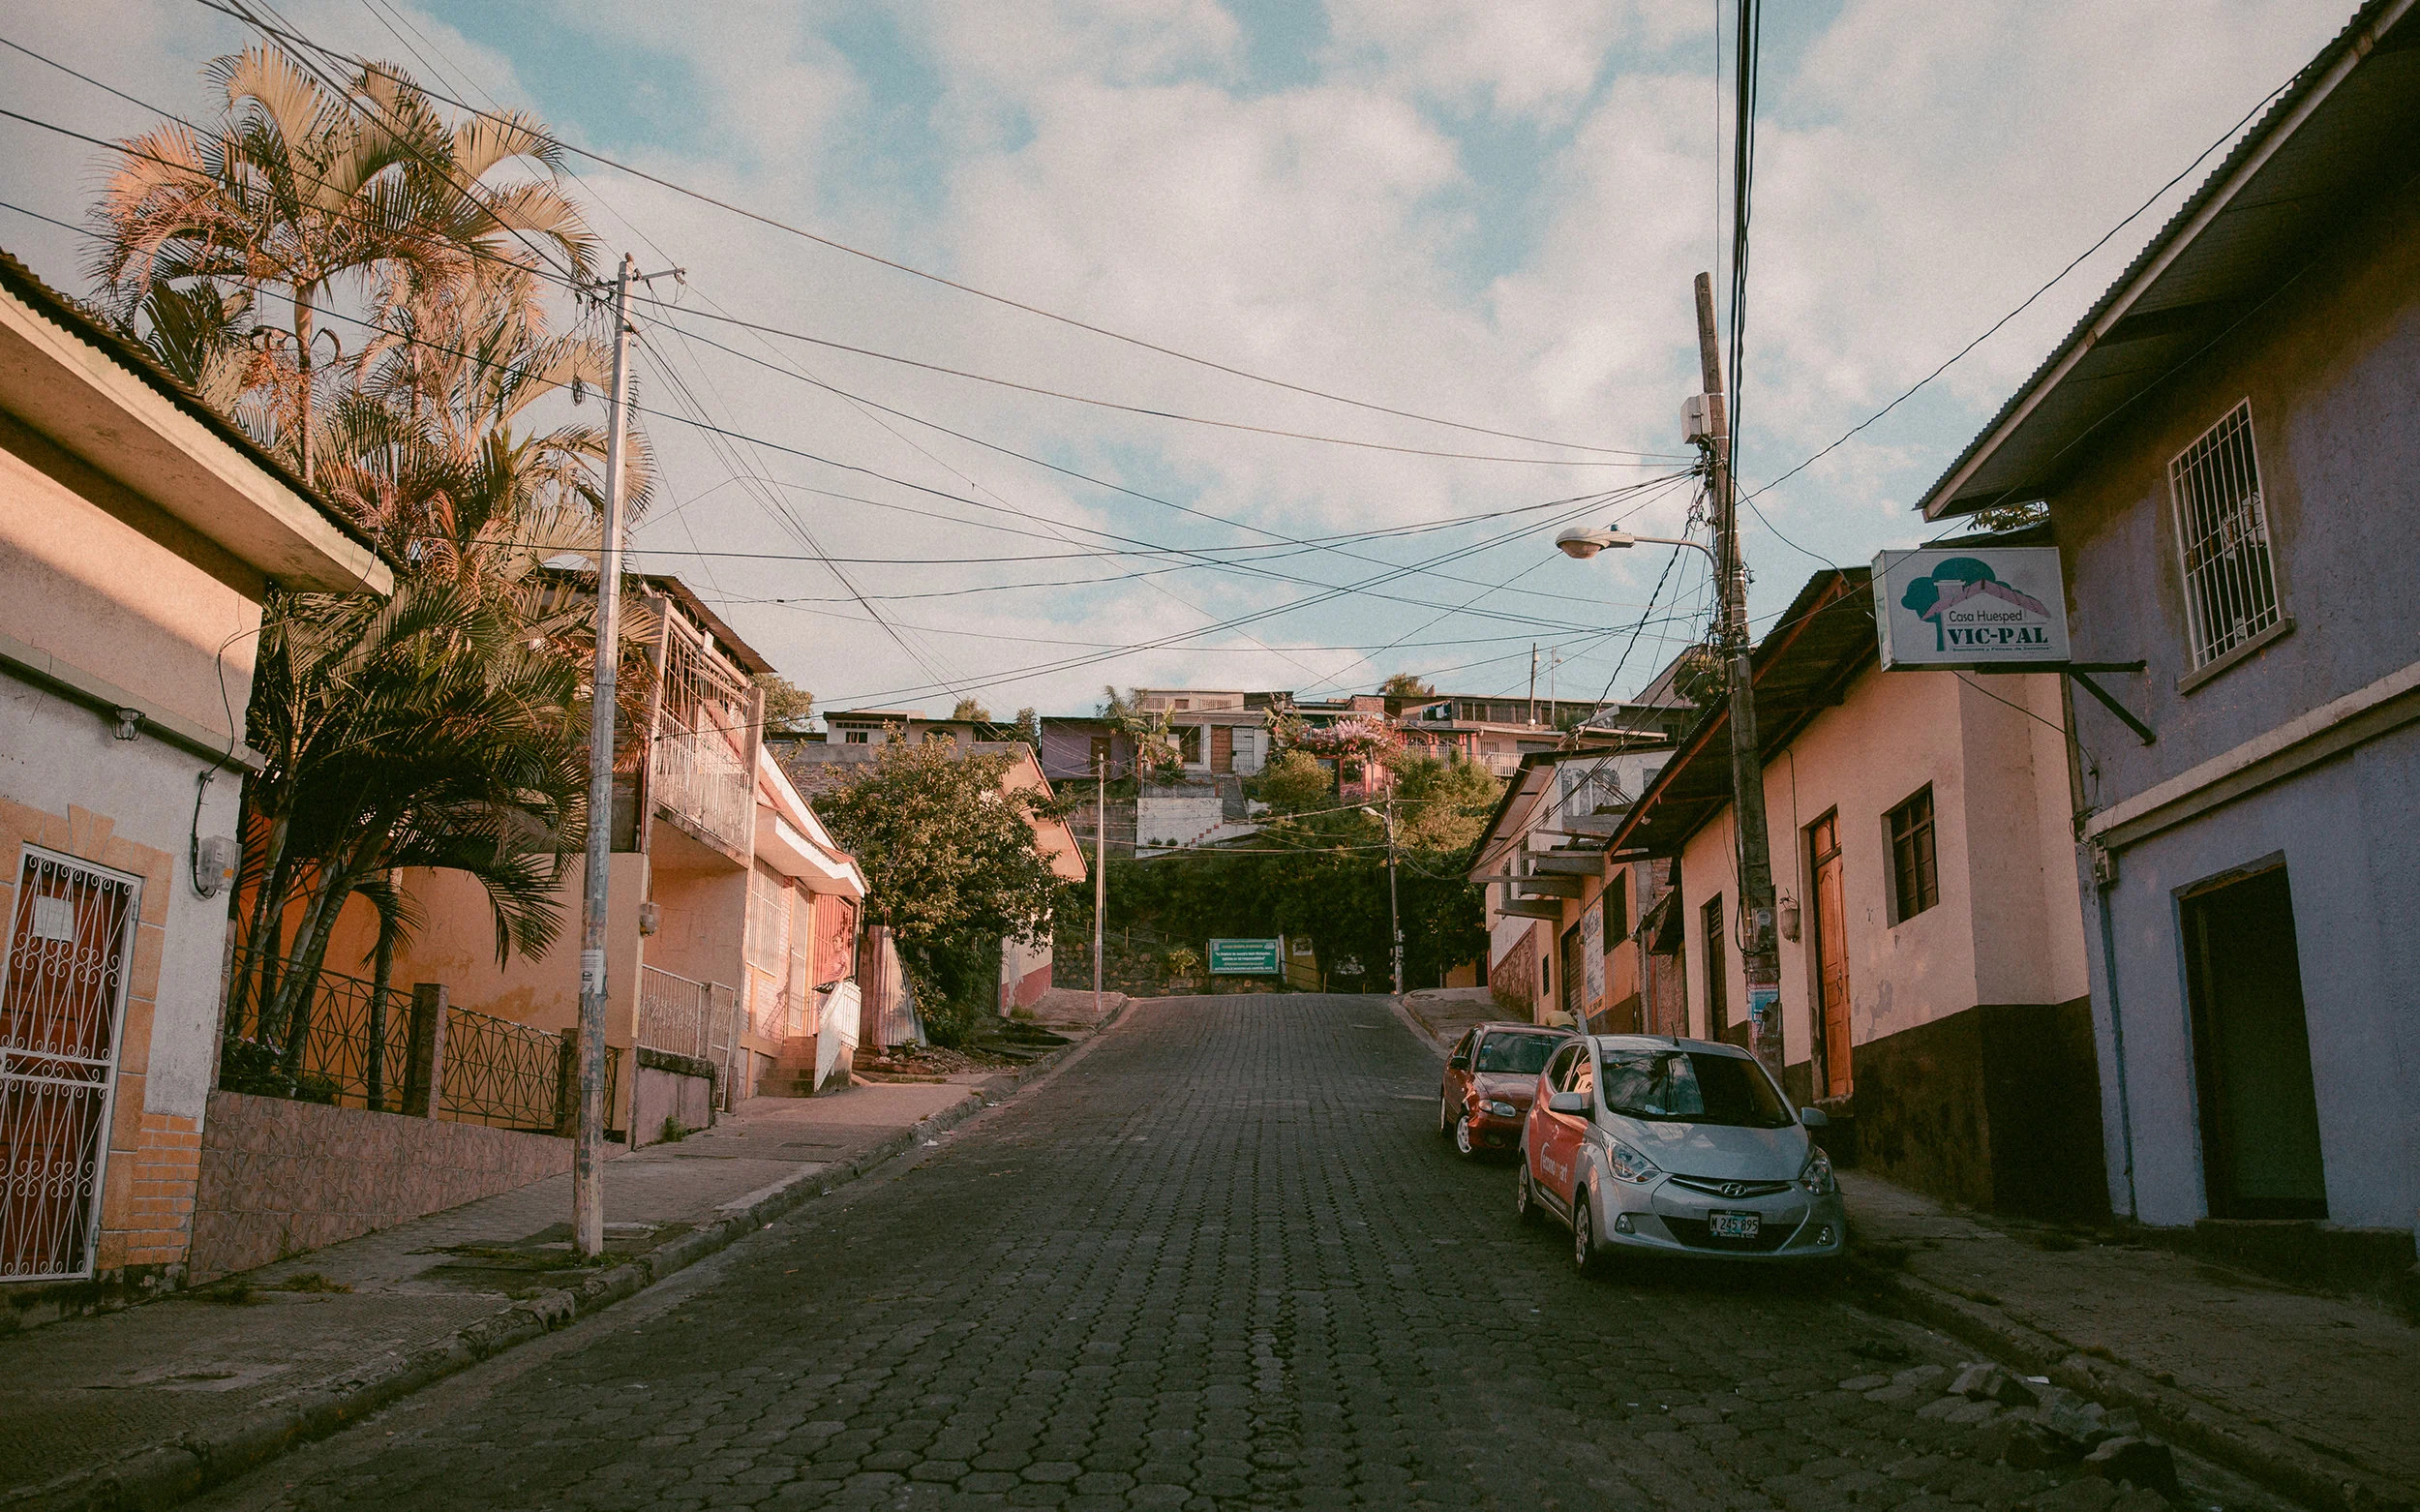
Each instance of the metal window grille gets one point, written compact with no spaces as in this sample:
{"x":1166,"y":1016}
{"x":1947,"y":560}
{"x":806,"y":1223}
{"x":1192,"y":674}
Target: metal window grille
{"x":62,"y":1005}
{"x":2222,"y":531}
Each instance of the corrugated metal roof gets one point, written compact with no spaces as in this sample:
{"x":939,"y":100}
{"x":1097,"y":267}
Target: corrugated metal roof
{"x":2346,"y":125}
{"x":69,"y":316}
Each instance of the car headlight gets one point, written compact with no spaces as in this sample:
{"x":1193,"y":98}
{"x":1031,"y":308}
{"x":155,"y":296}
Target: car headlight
{"x":1816,"y":1175}
{"x":1500,"y":1109}
{"x":1629,"y":1165}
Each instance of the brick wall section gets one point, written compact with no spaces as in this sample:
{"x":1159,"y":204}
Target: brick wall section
{"x":277,"y":1177}
{"x":166,"y":1167}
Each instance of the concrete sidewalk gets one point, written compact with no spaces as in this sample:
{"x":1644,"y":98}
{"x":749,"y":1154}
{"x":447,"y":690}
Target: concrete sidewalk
{"x":150,"y":1404}
{"x":2311,"y":1395}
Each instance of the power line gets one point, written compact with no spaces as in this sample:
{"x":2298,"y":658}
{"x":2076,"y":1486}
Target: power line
{"x":2028,"y":301}
{"x":966,"y":289}
{"x":1637,"y":458}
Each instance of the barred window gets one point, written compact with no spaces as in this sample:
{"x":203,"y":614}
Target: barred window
{"x":2222,"y":531}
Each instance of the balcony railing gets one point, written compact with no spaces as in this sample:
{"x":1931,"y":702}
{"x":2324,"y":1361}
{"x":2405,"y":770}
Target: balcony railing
{"x":697,"y":1019}
{"x":702,"y":770}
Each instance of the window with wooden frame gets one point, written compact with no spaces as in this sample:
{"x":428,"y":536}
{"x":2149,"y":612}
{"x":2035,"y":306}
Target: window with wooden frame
{"x":1717,"y":965}
{"x":2222,"y":535}
{"x":1914,"y":866}
{"x":1616,"y":905}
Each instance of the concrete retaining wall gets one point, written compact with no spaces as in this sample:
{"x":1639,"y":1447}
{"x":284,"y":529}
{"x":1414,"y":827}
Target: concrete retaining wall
{"x":279,"y":1176}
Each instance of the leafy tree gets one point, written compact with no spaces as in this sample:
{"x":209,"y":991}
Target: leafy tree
{"x":2000,"y":518}
{"x":787,"y":706}
{"x":953,"y":867}
{"x":1295,"y":781}
{"x":1320,"y":872}
{"x":969,"y":708}
{"x":1029,"y":728}
{"x":1406,"y":687}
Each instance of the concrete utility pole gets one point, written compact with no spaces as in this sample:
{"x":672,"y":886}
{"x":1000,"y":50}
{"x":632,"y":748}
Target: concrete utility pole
{"x":587,"y":1150}
{"x":1758,"y":953}
{"x":1394,"y":910}
{"x":1533,"y":682}
{"x":1099,"y":868}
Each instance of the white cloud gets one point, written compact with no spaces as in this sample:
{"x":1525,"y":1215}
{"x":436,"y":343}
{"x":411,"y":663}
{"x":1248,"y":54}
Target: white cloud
{"x":1921,"y":168}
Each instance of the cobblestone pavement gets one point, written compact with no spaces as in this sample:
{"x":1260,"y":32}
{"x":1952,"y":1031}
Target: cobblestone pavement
{"x":1223,"y":1261}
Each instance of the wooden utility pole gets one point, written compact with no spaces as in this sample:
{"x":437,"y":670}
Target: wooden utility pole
{"x":1758,"y":953}
{"x":588,"y":1148}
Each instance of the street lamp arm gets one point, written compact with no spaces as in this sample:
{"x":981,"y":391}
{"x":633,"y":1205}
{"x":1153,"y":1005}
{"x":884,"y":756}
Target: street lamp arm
{"x":1581,"y":542}
{"x":1700,"y":547}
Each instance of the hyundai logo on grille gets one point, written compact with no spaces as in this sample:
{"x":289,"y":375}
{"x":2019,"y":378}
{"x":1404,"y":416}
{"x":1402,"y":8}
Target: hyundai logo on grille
{"x":1734,"y":1188}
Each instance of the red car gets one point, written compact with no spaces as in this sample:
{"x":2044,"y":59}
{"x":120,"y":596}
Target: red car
{"x":1490,"y":1078}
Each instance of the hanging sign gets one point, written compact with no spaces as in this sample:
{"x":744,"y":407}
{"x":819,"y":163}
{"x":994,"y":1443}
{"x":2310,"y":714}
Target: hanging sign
{"x":1970,"y":607}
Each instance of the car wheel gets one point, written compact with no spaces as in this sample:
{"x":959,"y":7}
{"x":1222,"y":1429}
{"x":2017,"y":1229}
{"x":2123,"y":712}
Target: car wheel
{"x":1582,"y":1236}
{"x":1525,"y":1195}
{"x":1463,"y":1141}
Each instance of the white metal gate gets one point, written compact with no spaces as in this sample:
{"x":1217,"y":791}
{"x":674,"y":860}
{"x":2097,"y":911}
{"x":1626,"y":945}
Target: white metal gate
{"x":62,"y":1004}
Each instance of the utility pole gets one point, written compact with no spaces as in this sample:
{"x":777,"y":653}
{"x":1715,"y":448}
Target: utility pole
{"x":588,"y":1151}
{"x":1758,"y":953}
{"x":1100,"y":866}
{"x":1394,"y":910}
{"x":1533,"y":682}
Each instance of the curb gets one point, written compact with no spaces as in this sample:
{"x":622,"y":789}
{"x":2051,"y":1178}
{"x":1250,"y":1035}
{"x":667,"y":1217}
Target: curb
{"x":183,"y":1468}
{"x":2272,"y":1460}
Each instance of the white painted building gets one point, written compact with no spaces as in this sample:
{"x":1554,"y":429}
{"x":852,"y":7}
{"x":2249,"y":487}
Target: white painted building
{"x":138,"y":535}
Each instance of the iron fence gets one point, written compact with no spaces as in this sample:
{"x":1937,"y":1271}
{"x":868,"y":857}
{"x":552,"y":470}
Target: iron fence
{"x":345,"y":1045}
{"x":503,"y":1074}
{"x":355,"y":1052}
{"x":698,"y":1020}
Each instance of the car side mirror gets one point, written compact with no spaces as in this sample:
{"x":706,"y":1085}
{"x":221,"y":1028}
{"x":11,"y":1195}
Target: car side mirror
{"x":1814,"y":1118}
{"x":1460,"y":1063}
{"x":1567,"y":1103}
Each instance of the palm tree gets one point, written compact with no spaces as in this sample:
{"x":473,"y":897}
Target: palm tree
{"x":422,"y":731}
{"x":303,"y":194}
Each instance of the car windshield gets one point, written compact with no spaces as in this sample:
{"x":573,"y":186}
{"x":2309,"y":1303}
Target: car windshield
{"x":1686,"y":1086}
{"x":1515,"y":1054}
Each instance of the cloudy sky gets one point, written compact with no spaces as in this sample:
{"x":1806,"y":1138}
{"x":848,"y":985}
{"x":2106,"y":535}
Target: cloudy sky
{"x":1483,"y":212}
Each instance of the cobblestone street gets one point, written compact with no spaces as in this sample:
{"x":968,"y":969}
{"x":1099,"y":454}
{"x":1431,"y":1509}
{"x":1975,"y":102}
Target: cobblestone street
{"x":1222,"y":1260}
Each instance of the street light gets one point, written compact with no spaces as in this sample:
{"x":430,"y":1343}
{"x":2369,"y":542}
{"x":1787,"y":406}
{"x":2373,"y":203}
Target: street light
{"x":1581,"y":542}
{"x":1394,"y":913}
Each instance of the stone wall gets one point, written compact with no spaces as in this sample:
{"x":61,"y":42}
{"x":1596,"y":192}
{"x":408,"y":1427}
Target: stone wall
{"x":278,"y":1178}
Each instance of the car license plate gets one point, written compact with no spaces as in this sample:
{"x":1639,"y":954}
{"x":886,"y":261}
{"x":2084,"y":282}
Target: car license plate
{"x":1733,"y":1225}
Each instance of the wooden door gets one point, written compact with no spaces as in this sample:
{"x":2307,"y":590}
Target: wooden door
{"x":1832,"y":953}
{"x":2260,"y":1109}
{"x":1574,"y":974}
{"x":1222,"y":747}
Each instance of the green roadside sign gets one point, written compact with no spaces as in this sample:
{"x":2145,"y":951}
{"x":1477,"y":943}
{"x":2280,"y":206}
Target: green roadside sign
{"x":1245,"y":959}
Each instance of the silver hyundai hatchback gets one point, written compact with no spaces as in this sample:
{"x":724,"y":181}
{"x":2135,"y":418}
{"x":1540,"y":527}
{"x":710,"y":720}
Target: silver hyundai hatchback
{"x":1684,"y":1148}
